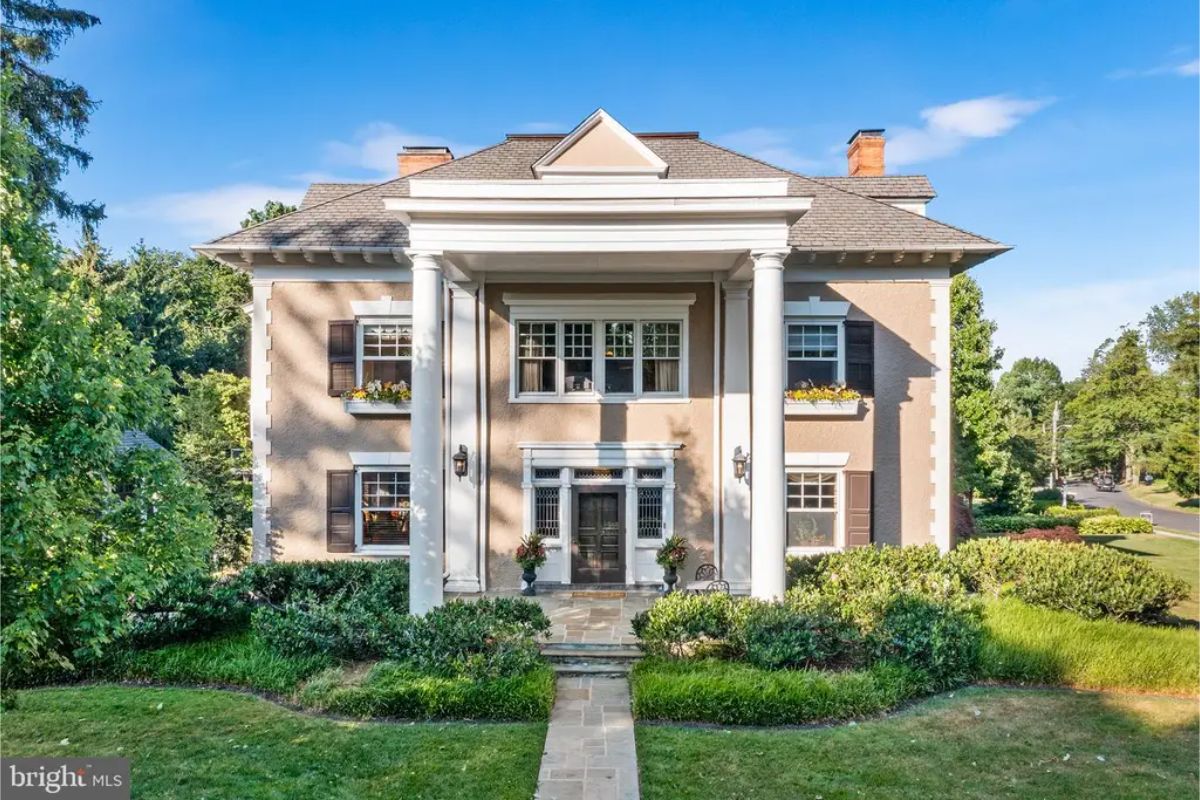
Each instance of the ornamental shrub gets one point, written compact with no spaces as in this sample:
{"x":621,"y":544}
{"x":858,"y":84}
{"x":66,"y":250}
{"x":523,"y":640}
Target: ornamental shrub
{"x":677,"y":619}
{"x":381,"y":583}
{"x":190,"y":606}
{"x":1114,"y":526}
{"x":1063,"y":533}
{"x":1091,"y":581}
{"x":1016,"y":523}
{"x":483,"y":639}
{"x":777,"y":636}
{"x":342,"y":626}
{"x":940,"y":638}
{"x":1053,"y":495}
{"x":1075,"y":510}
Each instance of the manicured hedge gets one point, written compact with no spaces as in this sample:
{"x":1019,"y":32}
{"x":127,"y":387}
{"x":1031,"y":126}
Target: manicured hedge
{"x":395,"y":690}
{"x":738,"y":694}
{"x":1016,"y":523}
{"x":1091,"y":581}
{"x":1026,"y":644}
{"x":1114,"y":526}
{"x":382,"y":583}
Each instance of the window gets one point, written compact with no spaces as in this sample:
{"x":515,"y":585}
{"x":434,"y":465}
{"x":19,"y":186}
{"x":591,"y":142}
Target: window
{"x":662,"y":348}
{"x":384,"y":506}
{"x":597,"y":359}
{"x":812,"y":509}
{"x":577,"y":357}
{"x":619,"y":352}
{"x":545,"y":511}
{"x":386,"y":352}
{"x":537,"y":345}
{"x":649,"y":512}
{"x":813,"y":354}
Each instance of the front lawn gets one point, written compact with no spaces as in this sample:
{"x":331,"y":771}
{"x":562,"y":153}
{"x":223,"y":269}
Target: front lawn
{"x":189,"y":743}
{"x":976,"y":743}
{"x":1178,"y":557}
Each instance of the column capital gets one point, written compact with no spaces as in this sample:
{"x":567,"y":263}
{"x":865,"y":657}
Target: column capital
{"x":462,"y":291}
{"x":768,"y":259}
{"x":736,"y":290}
{"x":425,"y":259}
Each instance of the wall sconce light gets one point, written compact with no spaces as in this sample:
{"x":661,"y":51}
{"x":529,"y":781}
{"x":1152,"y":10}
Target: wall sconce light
{"x":460,"y":462}
{"x":739,"y":463}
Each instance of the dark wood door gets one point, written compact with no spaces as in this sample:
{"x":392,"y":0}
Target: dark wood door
{"x":598,"y":552}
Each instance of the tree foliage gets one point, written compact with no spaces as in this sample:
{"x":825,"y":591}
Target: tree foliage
{"x":1173,"y":338}
{"x":85,"y":530}
{"x":983,"y":459}
{"x":271,"y":210}
{"x":52,"y":113}
{"x":212,"y":437}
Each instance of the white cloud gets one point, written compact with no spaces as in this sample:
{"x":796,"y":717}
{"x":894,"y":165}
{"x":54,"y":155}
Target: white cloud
{"x":207,"y":213}
{"x":374,"y":147}
{"x":1066,"y":324}
{"x":1185,"y":69}
{"x":771,"y":145}
{"x":950,"y":127}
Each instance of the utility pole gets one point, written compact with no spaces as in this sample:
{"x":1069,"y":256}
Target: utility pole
{"x":1054,"y":452}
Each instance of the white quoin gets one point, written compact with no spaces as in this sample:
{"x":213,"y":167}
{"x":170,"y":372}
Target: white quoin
{"x":767,"y":535}
{"x":425,"y":530}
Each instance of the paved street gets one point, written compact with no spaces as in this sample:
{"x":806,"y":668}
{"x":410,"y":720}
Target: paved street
{"x":1175,"y":520}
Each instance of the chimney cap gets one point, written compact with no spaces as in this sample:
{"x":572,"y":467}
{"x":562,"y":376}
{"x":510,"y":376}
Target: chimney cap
{"x":427,"y":148}
{"x":865,"y":132}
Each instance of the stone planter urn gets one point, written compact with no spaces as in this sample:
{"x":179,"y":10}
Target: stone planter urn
{"x":529,"y":576}
{"x":670,"y":578}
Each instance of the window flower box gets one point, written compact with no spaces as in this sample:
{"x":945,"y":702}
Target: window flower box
{"x":378,"y":398}
{"x":821,"y":401}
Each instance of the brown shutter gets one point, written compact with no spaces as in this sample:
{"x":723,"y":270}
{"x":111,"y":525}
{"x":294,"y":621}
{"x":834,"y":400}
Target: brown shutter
{"x":860,"y":356}
{"x":859,"y":517}
{"x":339,"y":517}
{"x":342,"y":342}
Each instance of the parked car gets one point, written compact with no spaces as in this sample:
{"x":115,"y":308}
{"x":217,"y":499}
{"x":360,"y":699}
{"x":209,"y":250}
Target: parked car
{"x":1106,"y":484}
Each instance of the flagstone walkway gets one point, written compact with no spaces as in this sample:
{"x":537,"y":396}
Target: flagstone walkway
{"x":590,"y":753}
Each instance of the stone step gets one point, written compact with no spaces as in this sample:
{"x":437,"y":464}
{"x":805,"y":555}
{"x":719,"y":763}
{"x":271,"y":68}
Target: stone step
{"x":591,"y":652}
{"x":576,"y":669}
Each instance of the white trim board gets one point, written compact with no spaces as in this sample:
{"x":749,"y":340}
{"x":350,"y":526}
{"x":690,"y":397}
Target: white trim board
{"x":385,"y":306}
{"x":612,"y":188}
{"x":816,"y":459}
{"x":816,"y":307}
{"x":380,"y":459}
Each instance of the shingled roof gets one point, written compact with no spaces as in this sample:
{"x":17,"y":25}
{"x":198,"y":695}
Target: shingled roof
{"x":844,"y":213}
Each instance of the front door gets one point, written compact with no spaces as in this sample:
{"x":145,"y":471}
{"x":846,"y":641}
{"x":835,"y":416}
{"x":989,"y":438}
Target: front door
{"x":598,"y":553}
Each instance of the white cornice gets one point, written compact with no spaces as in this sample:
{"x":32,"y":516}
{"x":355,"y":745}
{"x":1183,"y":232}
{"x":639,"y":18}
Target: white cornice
{"x":614,"y":188}
{"x":787,"y":208}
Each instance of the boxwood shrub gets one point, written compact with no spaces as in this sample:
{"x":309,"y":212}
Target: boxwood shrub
{"x":1114,"y":526}
{"x":729,"y":693}
{"x":191,"y":606}
{"x":1091,"y":581}
{"x":396,"y":690}
{"x":1015,"y":523}
{"x":384,"y":584}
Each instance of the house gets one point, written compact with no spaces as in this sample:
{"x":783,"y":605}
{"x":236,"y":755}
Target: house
{"x":590,"y":335}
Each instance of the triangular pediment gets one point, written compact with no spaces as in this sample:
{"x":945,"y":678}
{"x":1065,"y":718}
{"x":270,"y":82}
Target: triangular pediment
{"x":600,"y":146}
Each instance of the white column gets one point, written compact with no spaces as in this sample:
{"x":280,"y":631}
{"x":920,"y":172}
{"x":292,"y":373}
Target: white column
{"x":941,"y":476}
{"x":425,"y":537}
{"x":462,"y":494}
{"x":260,"y":419}
{"x":767,"y":537}
{"x":735,"y":433}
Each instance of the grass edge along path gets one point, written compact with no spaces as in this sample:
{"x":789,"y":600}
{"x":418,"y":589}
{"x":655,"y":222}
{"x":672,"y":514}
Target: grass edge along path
{"x":212,"y":743}
{"x":980,"y":742}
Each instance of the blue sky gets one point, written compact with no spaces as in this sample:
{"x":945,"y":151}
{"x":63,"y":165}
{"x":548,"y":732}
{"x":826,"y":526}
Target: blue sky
{"x":1068,"y":129}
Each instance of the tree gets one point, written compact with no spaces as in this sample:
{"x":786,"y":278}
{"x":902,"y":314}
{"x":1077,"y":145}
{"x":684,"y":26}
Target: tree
{"x":86,"y":532}
{"x":212,"y":437}
{"x":1122,"y":408}
{"x":53,"y":113}
{"x":1180,"y":459}
{"x":187,"y":308}
{"x":271,"y":210}
{"x":1173,"y":338}
{"x":983,"y":464}
{"x":1032,"y":387}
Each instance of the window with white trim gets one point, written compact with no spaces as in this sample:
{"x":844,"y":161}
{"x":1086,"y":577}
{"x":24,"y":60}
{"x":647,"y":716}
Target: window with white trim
{"x":545,"y":511}
{"x":385,"y":351}
{"x":611,"y":358}
{"x":812,"y":509}
{"x":813,"y":354}
{"x":384,"y":504}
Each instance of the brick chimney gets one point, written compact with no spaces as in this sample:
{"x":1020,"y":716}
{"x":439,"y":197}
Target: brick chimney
{"x":864,"y":157}
{"x":417,"y":158}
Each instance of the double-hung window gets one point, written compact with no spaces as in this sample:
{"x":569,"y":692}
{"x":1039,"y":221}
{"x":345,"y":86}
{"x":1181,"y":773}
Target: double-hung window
{"x":812,"y":509}
{"x":385,"y":354}
{"x":384,"y":507}
{"x":814,"y":354}
{"x":618,"y":359}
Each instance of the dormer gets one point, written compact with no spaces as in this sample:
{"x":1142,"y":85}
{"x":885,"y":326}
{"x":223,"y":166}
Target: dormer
{"x":600,"y":147}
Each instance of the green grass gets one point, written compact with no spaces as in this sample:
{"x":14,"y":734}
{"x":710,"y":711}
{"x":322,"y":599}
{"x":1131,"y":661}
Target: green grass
{"x":390,"y":690}
{"x":1161,"y":495}
{"x":238,"y":659}
{"x":977,"y":744}
{"x":1028,"y":644}
{"x":1176,"y":556}
{"x":738,"y":694}
{"x":193,"y":743}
